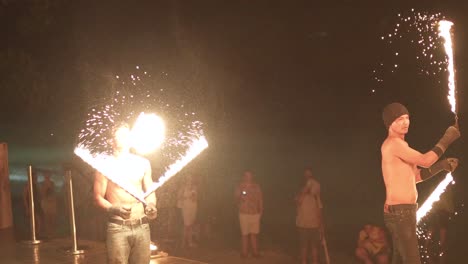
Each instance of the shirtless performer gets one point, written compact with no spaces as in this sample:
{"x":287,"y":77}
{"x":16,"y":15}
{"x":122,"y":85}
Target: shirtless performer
{"x":401,"y":173}
{"x":128,"y":232}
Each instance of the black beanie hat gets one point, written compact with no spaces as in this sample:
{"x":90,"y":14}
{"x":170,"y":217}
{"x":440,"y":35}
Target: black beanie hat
{"x":393,"y":111}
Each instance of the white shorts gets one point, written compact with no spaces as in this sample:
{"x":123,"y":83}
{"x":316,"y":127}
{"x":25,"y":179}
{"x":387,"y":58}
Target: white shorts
{"x":249,"y":224}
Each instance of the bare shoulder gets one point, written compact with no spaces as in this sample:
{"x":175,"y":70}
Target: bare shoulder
{"x":391,"y":143}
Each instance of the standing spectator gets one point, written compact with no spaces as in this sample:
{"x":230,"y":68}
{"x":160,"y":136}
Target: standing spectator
{"x":373,"y":246}
{"x":309,"y":219}
{"x":49,"y":205}
{"x":205,"y":208}
{"x":250,"y":201}
{"x":188,"y":203}
{"x":38,"y":213}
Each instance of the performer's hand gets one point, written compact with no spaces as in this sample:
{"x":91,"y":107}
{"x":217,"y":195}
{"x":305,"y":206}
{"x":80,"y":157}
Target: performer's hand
{"x":452,"y":164}
{"x":119,"y":210}
{"x":151,"y":211}
{"x":451,"y":134}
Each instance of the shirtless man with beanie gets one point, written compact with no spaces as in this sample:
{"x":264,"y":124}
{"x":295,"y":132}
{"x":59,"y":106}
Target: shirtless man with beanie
{"x":402,"y":168}
{"x":128,"y":231}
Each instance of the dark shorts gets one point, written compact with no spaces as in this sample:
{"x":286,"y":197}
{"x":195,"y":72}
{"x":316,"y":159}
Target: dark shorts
{"x":309,"y":236}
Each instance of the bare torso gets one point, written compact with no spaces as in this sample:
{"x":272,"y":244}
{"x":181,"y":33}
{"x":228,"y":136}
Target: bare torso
{"x":132,"y":171}
{"x":399,"y":176}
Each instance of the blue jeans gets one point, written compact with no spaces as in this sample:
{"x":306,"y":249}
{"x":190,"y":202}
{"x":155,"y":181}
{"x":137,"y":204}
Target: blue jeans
{"x":128,"y":244}
{"x":400,"y":220}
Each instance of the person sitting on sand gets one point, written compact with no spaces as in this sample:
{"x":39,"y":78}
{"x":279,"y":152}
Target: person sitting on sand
{"x":373,"y":246}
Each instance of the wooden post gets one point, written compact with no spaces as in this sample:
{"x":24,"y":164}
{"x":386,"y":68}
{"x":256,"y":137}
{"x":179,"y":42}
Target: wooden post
{"x":6,"y":215}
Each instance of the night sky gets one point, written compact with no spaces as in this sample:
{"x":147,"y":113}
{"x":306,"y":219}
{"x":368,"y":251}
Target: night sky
{"x":280,"y":85}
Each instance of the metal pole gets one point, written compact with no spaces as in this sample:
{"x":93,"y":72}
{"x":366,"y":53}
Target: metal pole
{"x":74,"y":250}
{"x":33,"y":240}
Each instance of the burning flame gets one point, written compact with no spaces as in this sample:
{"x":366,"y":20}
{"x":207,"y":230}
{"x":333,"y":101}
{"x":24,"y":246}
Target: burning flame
{"x":147,"y":133}
{"x":196,"y":147}
{"x":434,"y":197}
{"x":115,"y":169}
{"x":444,"y":32}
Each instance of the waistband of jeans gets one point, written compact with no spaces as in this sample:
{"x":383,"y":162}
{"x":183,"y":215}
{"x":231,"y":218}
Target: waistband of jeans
{"x":398,"y":207}
{"x":129,"y":222}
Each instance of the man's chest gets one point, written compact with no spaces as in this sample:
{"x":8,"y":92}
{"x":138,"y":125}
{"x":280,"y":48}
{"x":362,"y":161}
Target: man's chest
{"x":129,"y":169}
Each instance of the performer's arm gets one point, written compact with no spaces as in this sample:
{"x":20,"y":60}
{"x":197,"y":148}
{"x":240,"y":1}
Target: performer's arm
{"x":100,"y":187}
{"x":449,"y":165}
{"x":150,"y":209}
{"x":403,"y":151}
{"x":147,"y":182}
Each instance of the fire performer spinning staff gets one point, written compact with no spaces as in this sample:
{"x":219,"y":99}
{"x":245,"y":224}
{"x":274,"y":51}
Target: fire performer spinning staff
{"x":128,"y":232}
{"x":401,"y":173}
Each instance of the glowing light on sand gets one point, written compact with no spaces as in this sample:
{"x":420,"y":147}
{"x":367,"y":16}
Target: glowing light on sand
{"x":147,"y":133}
{"x":434,"y":197}
{"x":195,"y":148}
{"x":444,"y":32}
